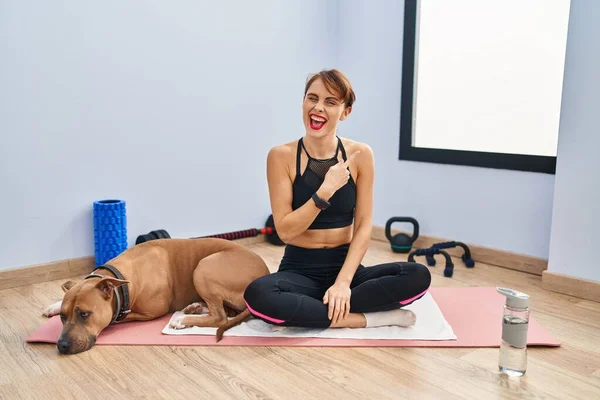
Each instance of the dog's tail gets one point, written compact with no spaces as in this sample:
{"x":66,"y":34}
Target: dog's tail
{"x":238,"y":319}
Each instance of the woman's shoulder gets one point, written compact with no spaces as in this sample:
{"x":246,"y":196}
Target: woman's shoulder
{"x":283,"y":150}
{"x":282,"y":154}
{"x":352,"y":146}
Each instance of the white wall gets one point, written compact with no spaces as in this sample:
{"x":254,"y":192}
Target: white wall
{"x":171,"y":106}
{"x":507,"y":210}
{"x":174,"y":107}
{"x":576,"y":214}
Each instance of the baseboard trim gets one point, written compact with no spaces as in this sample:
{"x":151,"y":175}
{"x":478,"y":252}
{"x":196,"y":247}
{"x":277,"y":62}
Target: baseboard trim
{"x":500,"y":258}
{"x":63,"y":269}
{"x":572,"y":286}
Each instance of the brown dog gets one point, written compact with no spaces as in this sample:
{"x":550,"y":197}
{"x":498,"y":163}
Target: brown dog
{"x":158,"y":277}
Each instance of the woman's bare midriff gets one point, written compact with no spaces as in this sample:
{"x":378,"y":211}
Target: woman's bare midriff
{"x":324,"y":238}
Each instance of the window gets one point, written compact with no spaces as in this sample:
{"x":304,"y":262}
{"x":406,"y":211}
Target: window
{"x":482,"y":82}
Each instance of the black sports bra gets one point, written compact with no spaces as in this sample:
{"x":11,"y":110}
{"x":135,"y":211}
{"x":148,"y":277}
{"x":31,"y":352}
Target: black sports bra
{"x":341,"y":211}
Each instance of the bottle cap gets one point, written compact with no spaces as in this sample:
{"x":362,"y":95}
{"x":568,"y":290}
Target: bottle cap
{"x":514,"y":298}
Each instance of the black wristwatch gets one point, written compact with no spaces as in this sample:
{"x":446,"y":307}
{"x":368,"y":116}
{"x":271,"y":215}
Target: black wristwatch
{"x":319,"y":202}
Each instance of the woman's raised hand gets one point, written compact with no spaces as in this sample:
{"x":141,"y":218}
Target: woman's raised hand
{"x":338,"y":175}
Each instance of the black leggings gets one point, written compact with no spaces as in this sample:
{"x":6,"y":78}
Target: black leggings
{"x":293,"y":296}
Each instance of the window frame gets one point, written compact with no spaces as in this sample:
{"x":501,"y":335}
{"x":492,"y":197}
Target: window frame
{"x":517,"y":162}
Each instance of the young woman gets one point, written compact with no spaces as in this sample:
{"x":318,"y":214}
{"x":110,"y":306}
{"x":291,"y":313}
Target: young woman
{"x":321,"y":194}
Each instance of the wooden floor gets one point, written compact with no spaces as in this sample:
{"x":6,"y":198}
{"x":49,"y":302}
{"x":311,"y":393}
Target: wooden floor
{"x":570,"y":372}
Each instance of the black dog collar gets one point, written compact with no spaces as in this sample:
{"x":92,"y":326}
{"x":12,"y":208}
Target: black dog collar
{"x":122,"y":305}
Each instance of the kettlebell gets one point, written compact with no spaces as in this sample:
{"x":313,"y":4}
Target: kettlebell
{"x":401,"y":242}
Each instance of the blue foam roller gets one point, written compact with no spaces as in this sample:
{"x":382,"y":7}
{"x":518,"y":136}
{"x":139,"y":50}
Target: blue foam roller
{"x":110,"y":229}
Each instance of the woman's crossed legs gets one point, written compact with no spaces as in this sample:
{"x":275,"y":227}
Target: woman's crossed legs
{"x":291,"y":298}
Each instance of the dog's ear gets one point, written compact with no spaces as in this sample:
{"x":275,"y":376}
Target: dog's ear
{"x":68,"y":285}
{"x":107,"y":284}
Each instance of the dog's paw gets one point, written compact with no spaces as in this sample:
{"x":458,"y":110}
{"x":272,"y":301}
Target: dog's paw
{"x":177,"y":322}
{"x":52,"y":310}
{"x":195,"y":308}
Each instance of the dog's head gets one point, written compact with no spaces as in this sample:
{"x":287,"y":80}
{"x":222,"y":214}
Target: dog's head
{"x":87,"y":308}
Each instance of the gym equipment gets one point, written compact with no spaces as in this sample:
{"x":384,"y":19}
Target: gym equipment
{"x":430,"y":252}
{"x":401,"y":242}
{"x":466,"y":257}
{"x":152,"y":235}
{"x":269,"y":231}
{"x":110,"y":229}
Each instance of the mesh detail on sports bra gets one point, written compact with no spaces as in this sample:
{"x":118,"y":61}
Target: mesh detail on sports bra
{"x":320,"y":167}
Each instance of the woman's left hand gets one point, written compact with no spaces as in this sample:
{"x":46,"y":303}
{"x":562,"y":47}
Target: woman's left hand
{"x":338,"y":298}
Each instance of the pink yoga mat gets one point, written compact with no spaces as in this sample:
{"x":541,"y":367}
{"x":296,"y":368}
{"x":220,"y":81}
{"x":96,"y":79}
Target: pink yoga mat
{"x":474,"y":313}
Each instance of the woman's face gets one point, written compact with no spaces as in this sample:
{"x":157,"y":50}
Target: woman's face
{"x":321,"y":110}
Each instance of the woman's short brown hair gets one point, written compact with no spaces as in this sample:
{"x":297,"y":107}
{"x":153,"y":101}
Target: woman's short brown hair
{"x":336,"y":82}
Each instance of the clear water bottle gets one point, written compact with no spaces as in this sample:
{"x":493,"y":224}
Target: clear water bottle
{"x":515,"y":323}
